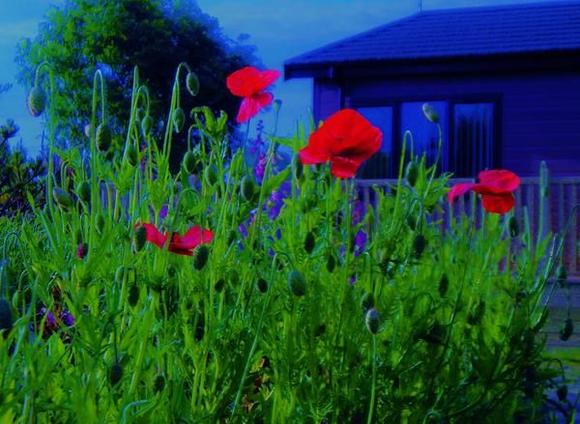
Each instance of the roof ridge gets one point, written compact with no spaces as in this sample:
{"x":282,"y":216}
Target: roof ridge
{"x":530,"y":5}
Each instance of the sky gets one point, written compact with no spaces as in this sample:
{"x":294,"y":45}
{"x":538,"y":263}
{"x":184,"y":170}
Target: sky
{"x":280,"y":29}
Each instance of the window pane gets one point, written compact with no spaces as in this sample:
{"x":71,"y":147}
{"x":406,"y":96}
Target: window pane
{"x":425,"y":133}
{"x":473,"y":147}
{"x":379,"y":165}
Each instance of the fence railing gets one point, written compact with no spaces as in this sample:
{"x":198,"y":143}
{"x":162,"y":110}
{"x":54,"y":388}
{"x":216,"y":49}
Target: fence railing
{"x":564,"y":193}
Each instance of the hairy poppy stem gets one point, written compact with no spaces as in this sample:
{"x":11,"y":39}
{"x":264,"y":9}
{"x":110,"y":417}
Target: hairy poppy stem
{"x":374,"y":382}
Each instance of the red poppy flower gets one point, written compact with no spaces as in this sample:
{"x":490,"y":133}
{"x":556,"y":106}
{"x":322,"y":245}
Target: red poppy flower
{"x":181,"y":245}
{"x":346,"y":140}
{"x":496,"y":188}
{"x":250,"y":84}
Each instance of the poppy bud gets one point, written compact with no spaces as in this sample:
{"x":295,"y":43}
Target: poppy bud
{"x":320,"y":330}
{"x":178,"y":119}
{"x":189,"y":162}
{"x":84,"y":191}
{"x":159,"y":383}
{"x":430,"y":113}
{"x":330,"y":263}
{"x":210,"y":175}
{"x":476,"y":315}
{"x":200,"y":256}
{"x":309,"y":242}
{"x":372,"y":321}
{"x":562,"y":393}
{"x":36,"y":101}
{"x":146,"y":125}
{"x":412,"y":222}
{"x":297,"y":283}
{"x":443,"y":285}
{"x":367,"y":302}
{"x":140,"y":238}
{"x":100,"y":223}
{"x":5,"y":316}
{"x":104,"y":137}
{"x":192,"y":83}
{"x":82,"y":249}
{"x":115,"y":373}
{"x":561,"y":275}
{"x":513,"y":226}
{"x":132,"y":156}
{"x":412,"y":173}
{"x":567,"y":329}
{"x":297,"y":167}
{"x":219,"y":285}
{"x":62,"y":198}
{"x":419,"y":244}
{"x":133,"y":296}
{"x":247,"y":189}
{"x":262,"y":285}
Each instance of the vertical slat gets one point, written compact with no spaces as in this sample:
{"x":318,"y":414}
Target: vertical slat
{"x":573,"y":230}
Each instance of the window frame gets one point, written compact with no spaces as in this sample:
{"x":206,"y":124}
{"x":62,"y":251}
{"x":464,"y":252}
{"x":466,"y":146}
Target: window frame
{"x":496,"y":99}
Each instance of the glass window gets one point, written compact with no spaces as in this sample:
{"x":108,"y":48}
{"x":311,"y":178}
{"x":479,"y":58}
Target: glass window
{"x":473,"y":146}
{"x":425,"y":133}
{"x":379,"y":165}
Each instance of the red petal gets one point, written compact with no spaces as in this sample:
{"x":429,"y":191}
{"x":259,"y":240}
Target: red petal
{"x":459,"y":190}
{"x":310,"y":155}
{"x":498,"y":203}
{"x":252,"y":105}
{"x":249,"y":81}
{"x":153,"y":234}
{"x":344,"y":167}
{"x":497,"y":181}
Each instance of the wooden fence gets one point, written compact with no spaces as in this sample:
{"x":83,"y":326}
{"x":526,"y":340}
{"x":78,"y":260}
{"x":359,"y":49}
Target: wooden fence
{"x":564,"y":193}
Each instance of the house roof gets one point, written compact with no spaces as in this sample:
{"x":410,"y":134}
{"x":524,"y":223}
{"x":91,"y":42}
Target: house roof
{"x":463,"y":32}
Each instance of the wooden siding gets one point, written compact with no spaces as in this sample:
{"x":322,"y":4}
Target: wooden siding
{"x":538,"y":115}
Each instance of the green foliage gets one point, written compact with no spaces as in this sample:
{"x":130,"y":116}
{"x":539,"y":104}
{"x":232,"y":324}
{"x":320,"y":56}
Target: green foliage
{"x":115,"y":36}
{"x":421,"y":325}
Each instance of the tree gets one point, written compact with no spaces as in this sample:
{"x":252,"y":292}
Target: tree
{"x":116,"y":35}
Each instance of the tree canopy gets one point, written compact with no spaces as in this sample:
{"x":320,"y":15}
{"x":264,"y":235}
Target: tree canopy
{"x":116,"y":35}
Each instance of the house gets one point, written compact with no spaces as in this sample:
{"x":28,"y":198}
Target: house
{"x":504,"y":80}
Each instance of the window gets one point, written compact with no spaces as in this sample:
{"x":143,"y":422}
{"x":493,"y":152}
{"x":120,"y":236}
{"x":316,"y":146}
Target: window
{"x":425,"y":133}
{"x":473,"y":148}
{"x":380,"y":164}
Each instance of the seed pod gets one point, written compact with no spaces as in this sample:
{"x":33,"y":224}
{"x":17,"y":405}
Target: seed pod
{"x":330,"y":263}
{"x":443,"y":285}
{"x":475,"y":317}
{"x":309,"y":242}
{"x":372,"y":321}
{"x":210,"y":175}
{"x":200,"y":256}
{"x":419,"y":244}
{"x":262,"y":285}
{"x":178,"y":119}
{"x":146,"y":125}
{"x":247,"y":189}
{"x":62,"y":198}
{"x":513,"y":227}
{"x":562,"y":393}
{"x":159,"y":383}
{"x":297,"y":283}
{"x":430,"y":113}
{"x":367,"y":302}
{"x":192,"y":83}
{"x":412,"y":173}
{"x":132,"y":155}
{"x":100,"y":223}
{"x":133,"y":295}
{"x":219,"y":285}
{"x":140,"y":238}
{"x":36,"y":101}
{"x":567,"y":329}
{"x":115,"y":373}
{"x":189,"y":162}
{"x":104,"y":137}
{"x":84,"y":191}
{"x":5,"y":316}
{"x":561,"y":275}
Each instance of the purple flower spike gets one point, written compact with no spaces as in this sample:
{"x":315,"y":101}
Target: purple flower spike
{"x":67,"y":318}
{"x":360,"y":241}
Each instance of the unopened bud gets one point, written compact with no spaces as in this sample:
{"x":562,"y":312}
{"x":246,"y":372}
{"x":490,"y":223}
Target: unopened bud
{"x":372,"y":321}
{"x":297,"y":283}
{"x":192,"y":83}
{"x":189,"y":162}
{"x":84,"y":191}
{"x":200,"y":256}
{"x":178,"y":119}
{"x":62,"y":198}
{"x":567,"y":329}
{"x":412,"y":172}
{"x":104,"y":137}
{"x":115,"y":373}
{"x":430,"y":113}
{"x":36,"y":101}
{"x":140,"y":238}
{"x":309,"y":242}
